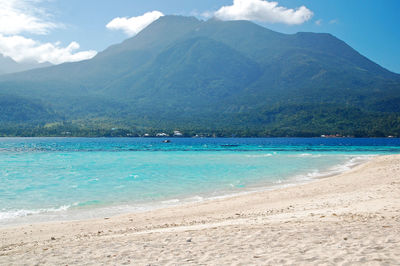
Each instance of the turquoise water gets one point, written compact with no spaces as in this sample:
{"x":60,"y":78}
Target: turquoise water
{"x":44,"y":179}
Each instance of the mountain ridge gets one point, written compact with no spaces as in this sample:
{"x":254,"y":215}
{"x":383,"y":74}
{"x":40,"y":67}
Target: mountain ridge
{"x":9,"y":66}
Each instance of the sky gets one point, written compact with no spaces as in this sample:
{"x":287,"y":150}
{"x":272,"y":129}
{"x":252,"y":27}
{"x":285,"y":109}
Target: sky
{"x":60,"y":31}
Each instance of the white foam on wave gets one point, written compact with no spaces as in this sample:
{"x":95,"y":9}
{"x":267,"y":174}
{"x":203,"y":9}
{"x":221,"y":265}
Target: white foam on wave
{"x":13,"y":214}
{"x":195,"y":199}
{"x":172,"y":201}
{"x":334,"y":170}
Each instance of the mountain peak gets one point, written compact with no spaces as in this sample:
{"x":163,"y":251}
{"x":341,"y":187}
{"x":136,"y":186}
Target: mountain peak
{"x":161,"y":32}
{"x":178,"y":18}
{"x":8,"y":65}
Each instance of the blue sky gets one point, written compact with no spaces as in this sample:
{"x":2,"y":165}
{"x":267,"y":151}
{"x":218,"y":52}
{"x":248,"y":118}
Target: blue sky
{"x":371,"y":27}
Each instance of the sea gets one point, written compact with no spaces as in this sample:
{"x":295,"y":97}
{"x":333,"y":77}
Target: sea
{"x":58,"y":179}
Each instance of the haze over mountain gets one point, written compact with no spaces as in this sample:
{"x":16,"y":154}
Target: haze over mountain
{"x":8,"y":65}
{"x":229,"y":77}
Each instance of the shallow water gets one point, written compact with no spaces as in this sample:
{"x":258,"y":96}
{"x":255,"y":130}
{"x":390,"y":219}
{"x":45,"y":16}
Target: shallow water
{"x":44,"y":179}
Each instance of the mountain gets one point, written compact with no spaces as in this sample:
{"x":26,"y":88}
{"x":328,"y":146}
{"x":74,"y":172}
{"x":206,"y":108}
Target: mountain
{"x":223,"y":77}
{"x":7,"y":65}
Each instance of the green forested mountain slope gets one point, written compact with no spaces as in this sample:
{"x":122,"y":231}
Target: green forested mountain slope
{"x":232,"y":77}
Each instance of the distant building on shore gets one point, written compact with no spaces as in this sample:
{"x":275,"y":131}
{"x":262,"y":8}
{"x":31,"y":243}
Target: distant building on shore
{"x":162,"y":134}
{"x":177,"y":133}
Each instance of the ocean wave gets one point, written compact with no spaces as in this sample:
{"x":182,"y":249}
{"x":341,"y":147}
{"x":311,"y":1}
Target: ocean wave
{"x":172,"y":201}
{"x":310,"y":176}
{"x":352,"y":162}
{"x":8,"y":215}
{"x":195,"y":199}
{"x":334,"y":170}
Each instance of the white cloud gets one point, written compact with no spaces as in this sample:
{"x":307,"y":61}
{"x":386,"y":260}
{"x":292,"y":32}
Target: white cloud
{"x":22,"y":49}
{"x":318,"y":22}
{"x":207,"y":14}
{"x":23,"y":16}
{"x":132,"y":26}
{"x":263,"y":11}
{"x":19,"y":17}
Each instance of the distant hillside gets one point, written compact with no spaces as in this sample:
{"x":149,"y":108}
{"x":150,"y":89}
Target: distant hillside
{"x":227,"y":78}
{"x":7,"y":65}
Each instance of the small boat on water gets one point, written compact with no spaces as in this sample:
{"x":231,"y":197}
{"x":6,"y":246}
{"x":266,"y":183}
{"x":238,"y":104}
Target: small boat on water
{"x":166,"y":141}
{"x":230,"y":145}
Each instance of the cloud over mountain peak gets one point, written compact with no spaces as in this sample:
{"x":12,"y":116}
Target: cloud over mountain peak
{"x":132,"y":26}
{"x":263,"y":11}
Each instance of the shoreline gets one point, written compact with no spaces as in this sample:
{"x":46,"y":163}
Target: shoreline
{"x":353,"y":218}
{"x":55,"y":214}
{"x":191,"y":137}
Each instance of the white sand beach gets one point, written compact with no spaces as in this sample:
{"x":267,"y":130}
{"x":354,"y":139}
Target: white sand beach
{"x":348,"y":219}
